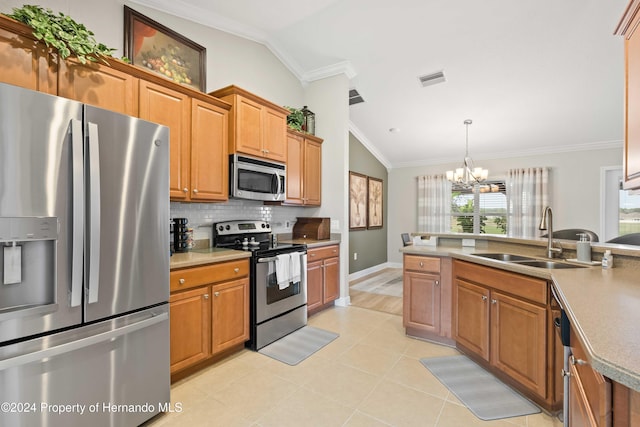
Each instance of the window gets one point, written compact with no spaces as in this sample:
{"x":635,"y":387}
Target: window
{"x":629,"y":212}
{"x":620,"y":209}
{"x":480,"y":209}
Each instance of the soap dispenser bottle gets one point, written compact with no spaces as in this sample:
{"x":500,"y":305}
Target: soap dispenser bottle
{"x":583,"y":248}
{"x":607,"y":259}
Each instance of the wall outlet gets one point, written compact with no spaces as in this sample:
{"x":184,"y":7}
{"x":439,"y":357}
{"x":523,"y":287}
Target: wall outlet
{"x":335,"y":225}
{"x":355,"y":256}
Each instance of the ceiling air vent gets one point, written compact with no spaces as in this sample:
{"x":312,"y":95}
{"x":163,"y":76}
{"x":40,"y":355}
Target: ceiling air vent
{"x":432,"y":79}
{"x":354,"y":97}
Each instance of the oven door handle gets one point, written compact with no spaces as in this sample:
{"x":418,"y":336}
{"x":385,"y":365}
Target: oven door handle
{"x":269,"y":259}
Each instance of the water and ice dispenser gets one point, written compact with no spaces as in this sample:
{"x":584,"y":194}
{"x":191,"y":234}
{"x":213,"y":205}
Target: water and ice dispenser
{"x":27,"y":262}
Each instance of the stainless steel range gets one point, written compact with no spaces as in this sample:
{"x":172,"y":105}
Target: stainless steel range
{"x":278,"y":279}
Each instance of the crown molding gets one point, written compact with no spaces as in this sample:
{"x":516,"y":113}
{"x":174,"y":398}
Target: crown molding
{"x":602,"y":145}
{"x":343,"y":67}
{"x":213,"y":20}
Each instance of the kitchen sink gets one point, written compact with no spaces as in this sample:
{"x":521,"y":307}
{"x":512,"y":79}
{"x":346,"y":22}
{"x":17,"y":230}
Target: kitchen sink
{"x":528,"y":261}
{"x":547,"y":264}
{"x":506,"y":257}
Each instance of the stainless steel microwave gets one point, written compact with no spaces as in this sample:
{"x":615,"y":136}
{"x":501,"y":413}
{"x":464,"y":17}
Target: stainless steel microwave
{"x":256,"y":179}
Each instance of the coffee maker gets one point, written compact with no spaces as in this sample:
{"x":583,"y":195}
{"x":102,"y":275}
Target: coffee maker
{"x":180,"y":235}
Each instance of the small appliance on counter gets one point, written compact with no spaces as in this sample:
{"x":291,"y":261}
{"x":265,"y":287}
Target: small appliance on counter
{"x":312,"y":228}
{"x":180,"y":235}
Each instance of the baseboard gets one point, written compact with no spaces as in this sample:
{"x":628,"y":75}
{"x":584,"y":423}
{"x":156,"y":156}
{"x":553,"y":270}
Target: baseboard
{"x":374,"y":269}
{"x":343,"y":302}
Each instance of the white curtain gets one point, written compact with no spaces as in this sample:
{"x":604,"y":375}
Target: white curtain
{"x":434,"y":204}
{"x":527,"y":195}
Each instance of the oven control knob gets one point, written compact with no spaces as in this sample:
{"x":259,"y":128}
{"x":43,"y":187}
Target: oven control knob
{"x":228,"y":227}
{"x":266,"y":225}
{"x":221,"y":228}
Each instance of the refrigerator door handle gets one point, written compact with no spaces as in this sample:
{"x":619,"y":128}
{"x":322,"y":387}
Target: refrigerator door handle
{"x":81,"y":343}
{"x":77,"y":189}
{"x":94,"y":212}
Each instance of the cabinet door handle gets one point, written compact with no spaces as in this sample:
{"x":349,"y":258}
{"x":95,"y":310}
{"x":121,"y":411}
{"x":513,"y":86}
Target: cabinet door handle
{"x":421,"y":264}
{"x":335,"y":250}
{"x":313,"y":254}
{"x":437,"y":283}
{"x":195,"y":191}
{"x":575,"y":361}
{"x":236,"y":270}
{"x":493,"y":301}
{"x":181,"y":281}
{"x":206,"y":296}
{"x":185,"y":190}
{"x":216,"y":294}
{"x":484,"y":297}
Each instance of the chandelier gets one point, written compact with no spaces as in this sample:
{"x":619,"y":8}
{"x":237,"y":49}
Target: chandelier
{"x":467,"y":176}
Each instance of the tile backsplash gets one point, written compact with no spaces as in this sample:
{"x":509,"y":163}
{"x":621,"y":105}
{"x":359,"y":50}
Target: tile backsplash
{"x":202,"y":215}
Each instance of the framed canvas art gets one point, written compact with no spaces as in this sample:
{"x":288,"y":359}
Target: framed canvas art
{"x":374,"y":209}
{"x":357,"y":201}
{"x":151,"y":45}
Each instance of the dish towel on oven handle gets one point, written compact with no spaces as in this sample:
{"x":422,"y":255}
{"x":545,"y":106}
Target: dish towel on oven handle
{"x":283,"y":270}
{"x":294,"y":270}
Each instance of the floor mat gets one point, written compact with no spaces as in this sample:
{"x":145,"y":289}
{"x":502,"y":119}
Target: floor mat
{"x":486,"y":396}
{"x":298,"y":345}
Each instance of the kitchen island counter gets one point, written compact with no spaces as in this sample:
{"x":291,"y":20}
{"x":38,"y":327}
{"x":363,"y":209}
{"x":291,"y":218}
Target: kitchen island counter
{"x":602,"y":305}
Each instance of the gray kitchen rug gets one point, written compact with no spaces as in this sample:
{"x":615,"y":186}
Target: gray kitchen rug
{"x":298,"y":345}
{"x":486,"y":396}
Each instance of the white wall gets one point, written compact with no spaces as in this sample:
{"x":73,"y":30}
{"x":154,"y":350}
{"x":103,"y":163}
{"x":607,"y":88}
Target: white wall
{"x":575,"y":184}
{"x":328,"y":99}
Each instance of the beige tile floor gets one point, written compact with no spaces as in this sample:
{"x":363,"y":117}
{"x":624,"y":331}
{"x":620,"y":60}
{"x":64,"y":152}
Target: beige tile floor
{"x":370,"y":376}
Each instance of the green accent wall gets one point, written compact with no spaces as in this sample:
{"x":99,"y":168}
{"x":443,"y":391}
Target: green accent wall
{"x":370,"y":245}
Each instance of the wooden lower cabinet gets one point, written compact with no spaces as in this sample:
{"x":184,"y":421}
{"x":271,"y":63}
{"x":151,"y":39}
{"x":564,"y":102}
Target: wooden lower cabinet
{"x":501,"y":321}
{"x":472,"y":317}
{"x":190,"y":327}
{"x":230,"y":314}
{"x":323,"y":277}
{"x":518,"y":341}
{"x":211,"y":314}
{"x":427,"y":297}
{"x":590,"y":401}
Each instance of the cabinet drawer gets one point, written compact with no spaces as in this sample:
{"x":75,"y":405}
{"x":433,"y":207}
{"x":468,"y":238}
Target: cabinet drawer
{"x":422,"y":263}
{"x":597,"y":388}
{"x":212,"y":273}
{"x":323,"y":252}
{"x":531,"y":288}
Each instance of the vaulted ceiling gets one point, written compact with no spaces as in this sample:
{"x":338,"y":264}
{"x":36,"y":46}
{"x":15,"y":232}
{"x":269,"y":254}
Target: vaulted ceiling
{"x":535,"y":76}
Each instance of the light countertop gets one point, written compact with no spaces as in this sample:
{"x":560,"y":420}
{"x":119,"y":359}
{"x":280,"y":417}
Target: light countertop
{"x":212,"y":255}
{"x":602,"y":305}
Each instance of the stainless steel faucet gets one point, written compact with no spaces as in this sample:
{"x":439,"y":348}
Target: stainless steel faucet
{"x":547,"y":224}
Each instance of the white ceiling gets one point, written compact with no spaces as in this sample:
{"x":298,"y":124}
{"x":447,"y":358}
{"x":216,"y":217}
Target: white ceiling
{"x":534,"y":76}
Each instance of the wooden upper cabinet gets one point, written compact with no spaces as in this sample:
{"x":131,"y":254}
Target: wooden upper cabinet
{"x":304,"y":169}
{"x":23,"y":61}
{"x":295,"y":168}
{"x":628,"y":27}
{"x":171,"y":108}
{"x":257,"y":127}
{"x":99,"y":85}
{"x":275,"y":134}
{"x":209,"y":155}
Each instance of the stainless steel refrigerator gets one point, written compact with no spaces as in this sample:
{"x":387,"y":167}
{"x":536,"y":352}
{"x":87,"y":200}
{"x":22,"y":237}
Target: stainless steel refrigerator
{"x":84,"y":264}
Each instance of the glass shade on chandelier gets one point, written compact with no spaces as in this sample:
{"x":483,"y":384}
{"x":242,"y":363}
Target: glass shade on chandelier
{"x":467,"y":176}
